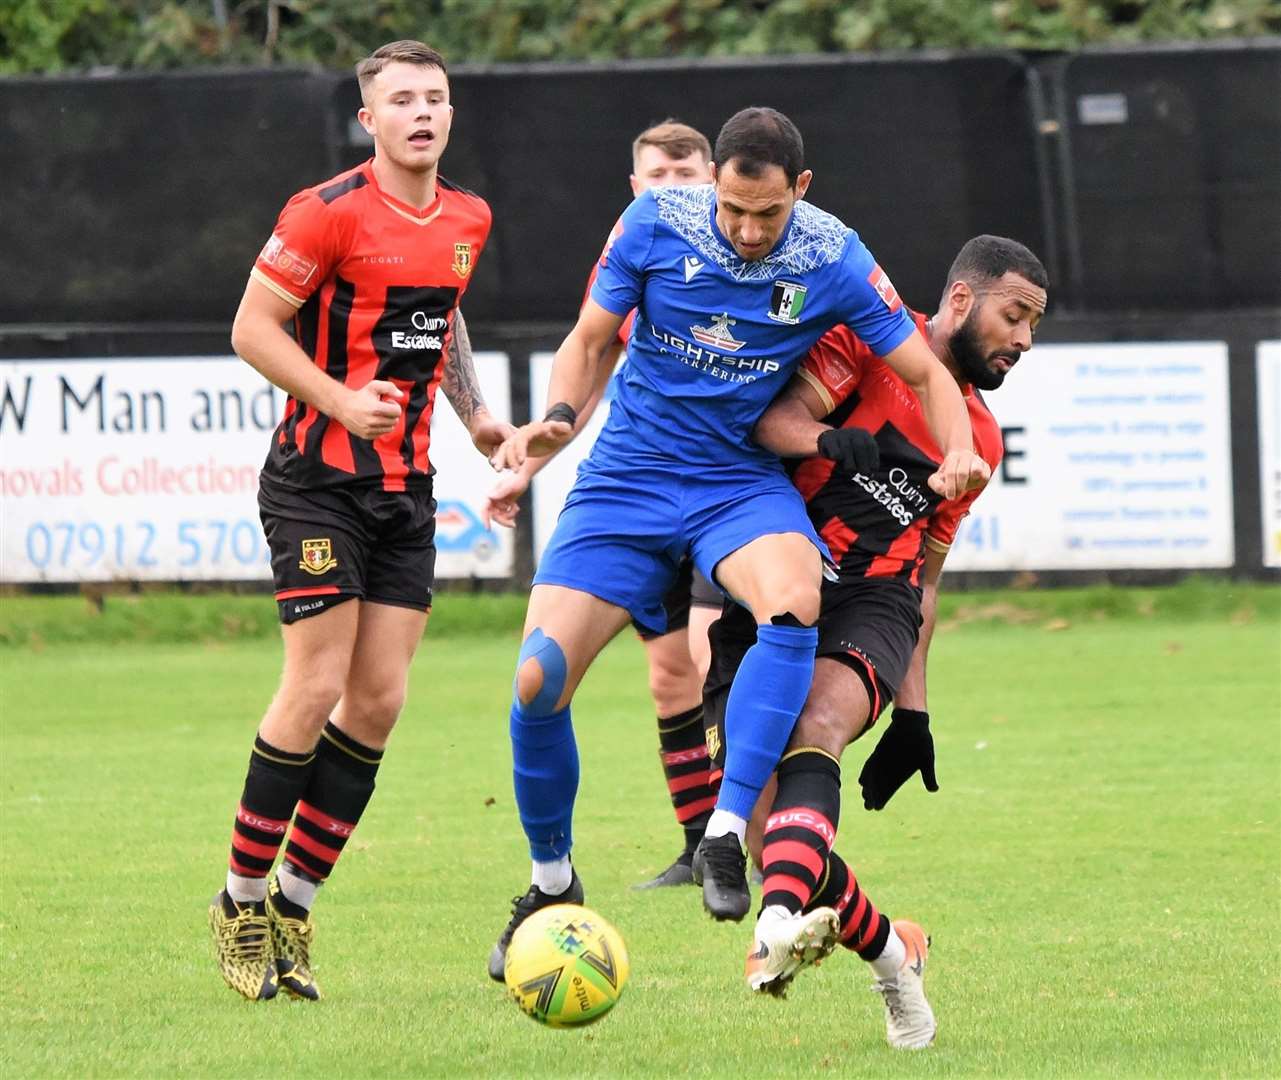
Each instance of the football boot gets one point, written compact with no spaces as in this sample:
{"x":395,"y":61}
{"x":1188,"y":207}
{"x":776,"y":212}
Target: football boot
{"x":522,"y":908}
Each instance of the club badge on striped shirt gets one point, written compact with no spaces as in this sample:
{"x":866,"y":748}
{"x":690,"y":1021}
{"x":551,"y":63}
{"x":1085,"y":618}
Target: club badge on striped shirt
{"x":462,"y":260}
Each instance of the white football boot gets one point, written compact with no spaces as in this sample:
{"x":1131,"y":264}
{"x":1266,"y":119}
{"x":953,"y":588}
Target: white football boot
{"x":909,"y":1020}
{"x":784,"y":944}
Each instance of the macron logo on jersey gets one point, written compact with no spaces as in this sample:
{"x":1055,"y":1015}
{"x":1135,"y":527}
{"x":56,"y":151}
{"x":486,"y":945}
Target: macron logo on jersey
{"x":692,"y":267}
{"x":880,"y":281}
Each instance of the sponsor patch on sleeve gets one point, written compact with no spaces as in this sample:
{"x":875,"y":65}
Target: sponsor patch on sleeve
{"x":287,"y":262}
{"x":831,"y":369}
{"x":880,"y":281}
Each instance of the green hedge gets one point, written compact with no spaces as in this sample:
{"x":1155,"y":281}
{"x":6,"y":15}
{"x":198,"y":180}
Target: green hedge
{"x":62,"y":35}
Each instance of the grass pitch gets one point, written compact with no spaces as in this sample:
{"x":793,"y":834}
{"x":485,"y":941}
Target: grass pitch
{"x":1099,"y":871}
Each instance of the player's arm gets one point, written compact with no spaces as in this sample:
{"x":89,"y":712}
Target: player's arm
{"x":907,"y":744}
{"x":501,"y":505}
{"x":462,"y":388}
{"x":911,"y":694}
{"x":259,"y":337}
{"x":792,"y":427}
{"x":945,"y":413}
{"x":575,"y":372}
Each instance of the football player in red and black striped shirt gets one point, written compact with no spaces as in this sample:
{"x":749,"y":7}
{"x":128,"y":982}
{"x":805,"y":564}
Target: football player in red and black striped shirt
{"x":369,"y":267}
{"x":889,"y":534}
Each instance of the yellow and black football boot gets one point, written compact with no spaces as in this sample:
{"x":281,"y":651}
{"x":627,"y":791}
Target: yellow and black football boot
{"x":291,"y":940}
{"x":242,"y":941}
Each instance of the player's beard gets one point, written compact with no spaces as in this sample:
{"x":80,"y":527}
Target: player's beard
{"x":967,"y":351}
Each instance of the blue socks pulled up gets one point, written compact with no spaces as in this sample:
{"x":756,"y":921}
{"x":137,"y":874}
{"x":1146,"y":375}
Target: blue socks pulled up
{"x":767,"y":696}
{"x":545,"y":771}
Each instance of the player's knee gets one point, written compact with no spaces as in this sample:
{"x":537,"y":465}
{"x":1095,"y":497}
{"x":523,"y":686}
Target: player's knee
{"x":700,"y":655}
{"x":541,"y":671}
{"x":529,"y":681}
{"x":378,"y":710}
{"x":312,"y":695}
{"x":674,"y":688}
{"x":794,"y":603}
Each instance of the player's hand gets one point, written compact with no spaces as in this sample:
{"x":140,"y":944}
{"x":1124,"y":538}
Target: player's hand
{"x":501,"y":505}
{"x":906,"y":746}
{"x":536,"y":439}
{"x":372,"y":410}
{"x":853,"y":449}
{"x":488,"y":434}
{"x":961,"y":471}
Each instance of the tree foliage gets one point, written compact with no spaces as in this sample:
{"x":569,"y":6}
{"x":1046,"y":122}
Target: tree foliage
{"x":70,"y":35}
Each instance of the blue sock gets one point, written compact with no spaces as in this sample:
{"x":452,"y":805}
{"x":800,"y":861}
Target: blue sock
{"x":545,"y":769}
{"x":764,"y":702}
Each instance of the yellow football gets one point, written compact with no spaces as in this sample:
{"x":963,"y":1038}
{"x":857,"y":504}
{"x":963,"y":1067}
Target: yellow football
{"x":566,"y":966}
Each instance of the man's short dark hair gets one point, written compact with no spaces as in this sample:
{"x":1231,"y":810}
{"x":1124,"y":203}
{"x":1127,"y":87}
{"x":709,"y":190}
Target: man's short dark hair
{"x":755,"y":138}
{"x":397,"y":52}
{"x":986,"y":259}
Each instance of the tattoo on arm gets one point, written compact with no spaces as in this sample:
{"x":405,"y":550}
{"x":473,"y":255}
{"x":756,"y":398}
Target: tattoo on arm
{"x":459,"y":380}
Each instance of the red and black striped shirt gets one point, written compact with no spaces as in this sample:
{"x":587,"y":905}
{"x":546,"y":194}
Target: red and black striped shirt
{"x":879,"y":525}
{"x":377,"y":283}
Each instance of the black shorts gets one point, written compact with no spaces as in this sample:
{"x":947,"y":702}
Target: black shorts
{"x":690,"y":589}
{"x":872,"y":624}
{"x":335,"y":544}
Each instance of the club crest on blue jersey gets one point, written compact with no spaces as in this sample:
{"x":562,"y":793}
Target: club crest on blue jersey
{"x":786,"y":302}
{"x":718,"y":334}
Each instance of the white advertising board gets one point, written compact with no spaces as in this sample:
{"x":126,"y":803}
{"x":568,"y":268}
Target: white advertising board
{"x":1268,"y":374}
{"x":147,"y":469}
{"x":1117,"y":457}
{"x":552,"y":483}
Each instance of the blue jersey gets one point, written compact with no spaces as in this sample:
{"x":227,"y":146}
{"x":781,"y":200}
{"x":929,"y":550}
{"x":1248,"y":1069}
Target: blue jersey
{"x":717,"y":336}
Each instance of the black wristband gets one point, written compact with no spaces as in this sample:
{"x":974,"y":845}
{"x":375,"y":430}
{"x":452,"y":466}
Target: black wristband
{"x":913,"y":717}
{"x":562,"y":412}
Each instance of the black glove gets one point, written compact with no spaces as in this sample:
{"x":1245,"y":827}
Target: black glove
{"x":853,"y":449}
{"x":905,"y":747}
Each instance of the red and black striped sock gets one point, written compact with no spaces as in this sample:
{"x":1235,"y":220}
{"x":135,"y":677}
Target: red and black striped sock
{"x":801,"y":828}
{"x":341,"y":786}
{"x":273,"y":785}
{"x":864,"y":930}
{"x":688,"y":769}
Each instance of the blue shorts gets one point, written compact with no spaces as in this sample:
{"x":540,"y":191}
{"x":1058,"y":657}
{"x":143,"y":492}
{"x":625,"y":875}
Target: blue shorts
{"x":624,"y":530}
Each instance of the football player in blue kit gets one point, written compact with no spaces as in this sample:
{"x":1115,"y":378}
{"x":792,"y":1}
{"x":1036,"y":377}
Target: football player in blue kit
{"x":732,"y":282}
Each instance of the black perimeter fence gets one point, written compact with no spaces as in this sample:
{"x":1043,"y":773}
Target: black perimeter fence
{"x":1149,"y":180}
